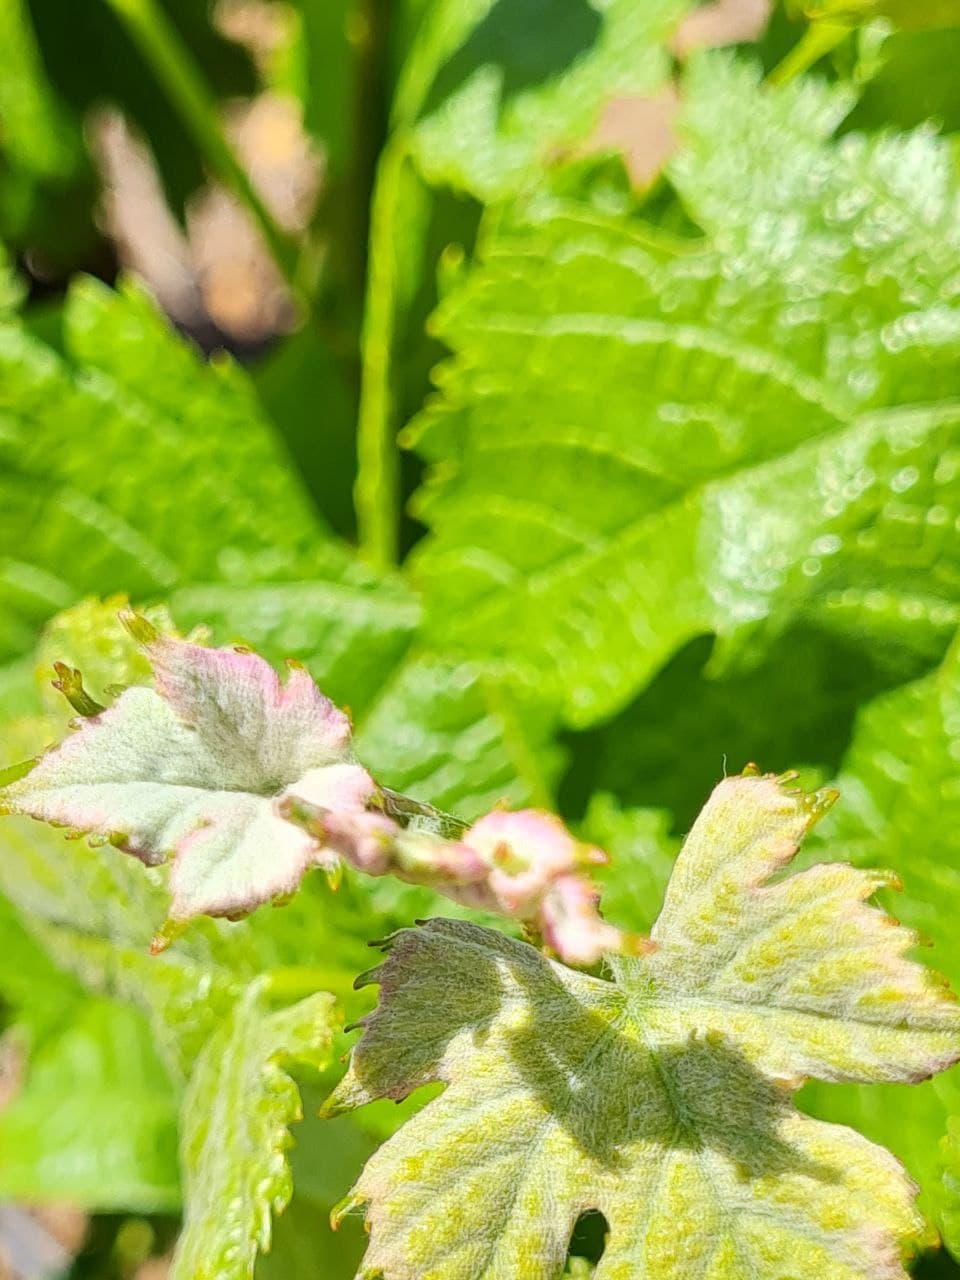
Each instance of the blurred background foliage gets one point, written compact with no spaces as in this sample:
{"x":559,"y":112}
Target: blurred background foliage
{"x":339,"y":194}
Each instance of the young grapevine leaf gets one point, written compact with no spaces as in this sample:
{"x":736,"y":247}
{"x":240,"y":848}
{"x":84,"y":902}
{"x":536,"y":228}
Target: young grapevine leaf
{"x":640,"y":441}
{"x":94,"y":915}
{"x":662,"y":1098}
{"x":192,"y":771}
{"x":237,"y":1111}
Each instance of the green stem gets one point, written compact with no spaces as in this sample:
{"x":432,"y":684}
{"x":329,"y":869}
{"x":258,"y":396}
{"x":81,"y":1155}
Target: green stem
{"x":378,"y":464}
{"x":370,"y":107}
{"x":818,"y":40}
{"x":175,"y":69}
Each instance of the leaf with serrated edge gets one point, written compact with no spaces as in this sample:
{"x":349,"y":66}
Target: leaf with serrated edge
{"x":192,"y":769}
{"x":661,"y":1099}
{"x":638,"y":442}
{"x":236,"y":1115}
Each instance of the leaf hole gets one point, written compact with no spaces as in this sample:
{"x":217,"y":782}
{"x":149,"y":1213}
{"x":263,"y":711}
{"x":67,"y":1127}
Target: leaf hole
{"x":589,"y":1237}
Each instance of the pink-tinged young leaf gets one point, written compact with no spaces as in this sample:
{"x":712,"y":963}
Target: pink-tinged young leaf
{"x":662,"y":1098}
{"x":192,"y":771}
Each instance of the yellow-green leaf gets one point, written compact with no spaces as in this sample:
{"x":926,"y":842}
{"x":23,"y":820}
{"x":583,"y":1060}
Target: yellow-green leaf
{"x":661,"y":1098}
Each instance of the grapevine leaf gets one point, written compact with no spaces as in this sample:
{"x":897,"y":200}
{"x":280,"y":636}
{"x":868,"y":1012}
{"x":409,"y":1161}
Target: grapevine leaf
{"x":186,"y":484}
{"x":237,"y":1110}
{"x":95,"y":915}
{"x":662,"y":1098}
{"x":491,"y":89}
{"x":640,"y":441}
{"x":192,"y":770}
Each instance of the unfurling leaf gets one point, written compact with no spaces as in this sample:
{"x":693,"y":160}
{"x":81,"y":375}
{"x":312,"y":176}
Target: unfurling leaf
{"x":236,"y":1114}
{"x":662,"y":1098}
{"x":191,"y":770}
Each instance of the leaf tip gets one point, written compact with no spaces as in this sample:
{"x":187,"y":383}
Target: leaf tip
{"x":817,"y":803}
{"x":349,"y":1204}
{"x":138,"y":628}
{"x":167,"y":934}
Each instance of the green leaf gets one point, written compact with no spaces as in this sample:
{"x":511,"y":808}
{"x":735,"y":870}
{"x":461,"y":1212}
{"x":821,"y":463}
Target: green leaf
{"x":463,"y":735}
{"x":662,"y":1098}
{"x":96,"y":1120}
{"x":186,"y":484}
{"x":492,"y":89}
{"x":639,"y":441}
{"x":236,"y":1115}
{"x":350,"y":626}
